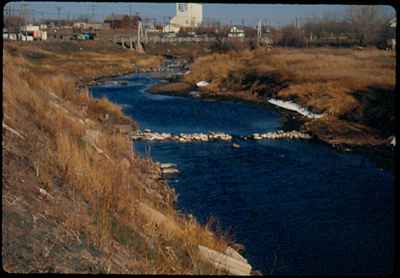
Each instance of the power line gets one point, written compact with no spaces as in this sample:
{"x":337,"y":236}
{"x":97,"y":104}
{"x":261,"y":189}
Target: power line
{"x":93,"y":15}
{"x":58,"y":12}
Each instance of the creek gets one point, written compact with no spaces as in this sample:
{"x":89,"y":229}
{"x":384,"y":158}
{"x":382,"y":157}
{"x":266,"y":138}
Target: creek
{"x":298,"y":206}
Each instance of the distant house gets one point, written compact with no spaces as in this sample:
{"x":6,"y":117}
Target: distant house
{"x":235,"y":32}
{"x":95,"y":26}
{"x":32,"y":32}
{"x":87,"y":26}
{"x":80,"y":25}
{"x":122,"y":21}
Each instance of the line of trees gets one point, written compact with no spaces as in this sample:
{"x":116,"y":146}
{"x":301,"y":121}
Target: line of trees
{"x":360,"y":25}
{"x":357,"y":26}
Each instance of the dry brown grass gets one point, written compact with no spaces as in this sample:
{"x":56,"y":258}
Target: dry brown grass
{"x":97,"y":183}
{"x":343,"y":83}
{"x":104,"y":106}
{"x":347,"y":69}
{"x":82,"y":60}
{"x":171,"y":88}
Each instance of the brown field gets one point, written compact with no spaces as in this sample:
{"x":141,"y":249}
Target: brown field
{"x":82,"y":60}
{"x":76,"y":197}
{"x":354,"y":88}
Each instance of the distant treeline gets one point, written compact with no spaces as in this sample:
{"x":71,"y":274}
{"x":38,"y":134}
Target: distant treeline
{"x":360,"y":25}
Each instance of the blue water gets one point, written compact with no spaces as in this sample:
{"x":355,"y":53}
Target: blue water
{"x":299,"y":207}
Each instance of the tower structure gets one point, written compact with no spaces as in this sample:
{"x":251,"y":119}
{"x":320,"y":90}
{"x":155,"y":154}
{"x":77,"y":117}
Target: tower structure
{"x":187,"y":15}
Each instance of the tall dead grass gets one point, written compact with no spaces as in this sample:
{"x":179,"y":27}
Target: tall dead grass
{"x":323,"y":80}
{"x":104,"y":106}
{"x":103,"y":172}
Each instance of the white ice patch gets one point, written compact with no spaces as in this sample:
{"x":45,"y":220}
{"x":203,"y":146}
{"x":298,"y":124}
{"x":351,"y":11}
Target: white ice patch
{"x":393,"y":141}
{"x":202,"y":83}
{"x":289,"y":105}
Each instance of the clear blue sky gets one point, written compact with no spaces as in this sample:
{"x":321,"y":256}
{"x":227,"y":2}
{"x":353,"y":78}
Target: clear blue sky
{"x":235,"y":13}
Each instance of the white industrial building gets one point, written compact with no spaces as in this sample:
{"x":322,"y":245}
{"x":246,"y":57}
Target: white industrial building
{"x":187,"y":15}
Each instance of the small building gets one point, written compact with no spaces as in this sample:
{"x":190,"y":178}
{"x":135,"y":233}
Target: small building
{"x":235,"y":32}
{"x":32,"y":32}
{"x":95,"y":26}
{"x":80,"y":25}
{"x":87,"y":26}
{"x":122,"y":21}
{"x":29,"y":28}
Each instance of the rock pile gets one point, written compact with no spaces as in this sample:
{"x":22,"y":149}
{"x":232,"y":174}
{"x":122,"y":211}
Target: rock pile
{"x":149,"y":135}
{"x":294,"y":134}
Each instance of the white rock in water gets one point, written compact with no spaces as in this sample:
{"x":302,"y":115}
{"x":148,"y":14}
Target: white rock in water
{"x":393,"y":141}
{"x":167,"y":165}
{"x":170,"y":171}
{"x":202,"y":83}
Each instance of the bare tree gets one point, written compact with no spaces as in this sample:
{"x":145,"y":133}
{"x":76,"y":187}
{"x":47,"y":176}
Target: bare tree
{"x":366,"y":22}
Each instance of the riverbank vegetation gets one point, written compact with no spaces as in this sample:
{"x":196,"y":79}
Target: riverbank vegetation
{"x":76,"y":197}
{"x":353,"y":89}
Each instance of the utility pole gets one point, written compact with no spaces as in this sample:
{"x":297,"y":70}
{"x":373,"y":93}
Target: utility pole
{"x":22,"y":12}
{"x":138,"y":31}
{"x":259,"y":32}
{"x":93,"y":14}
{"x":23,"y":15}
{"x":8,"y":11}
{"x":139,"y":46}
{"x":58,"y":12}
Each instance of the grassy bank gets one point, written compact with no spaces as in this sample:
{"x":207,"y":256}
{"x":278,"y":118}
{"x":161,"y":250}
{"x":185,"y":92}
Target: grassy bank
{"x":76,"y":197}
{"x":354,"y":89}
